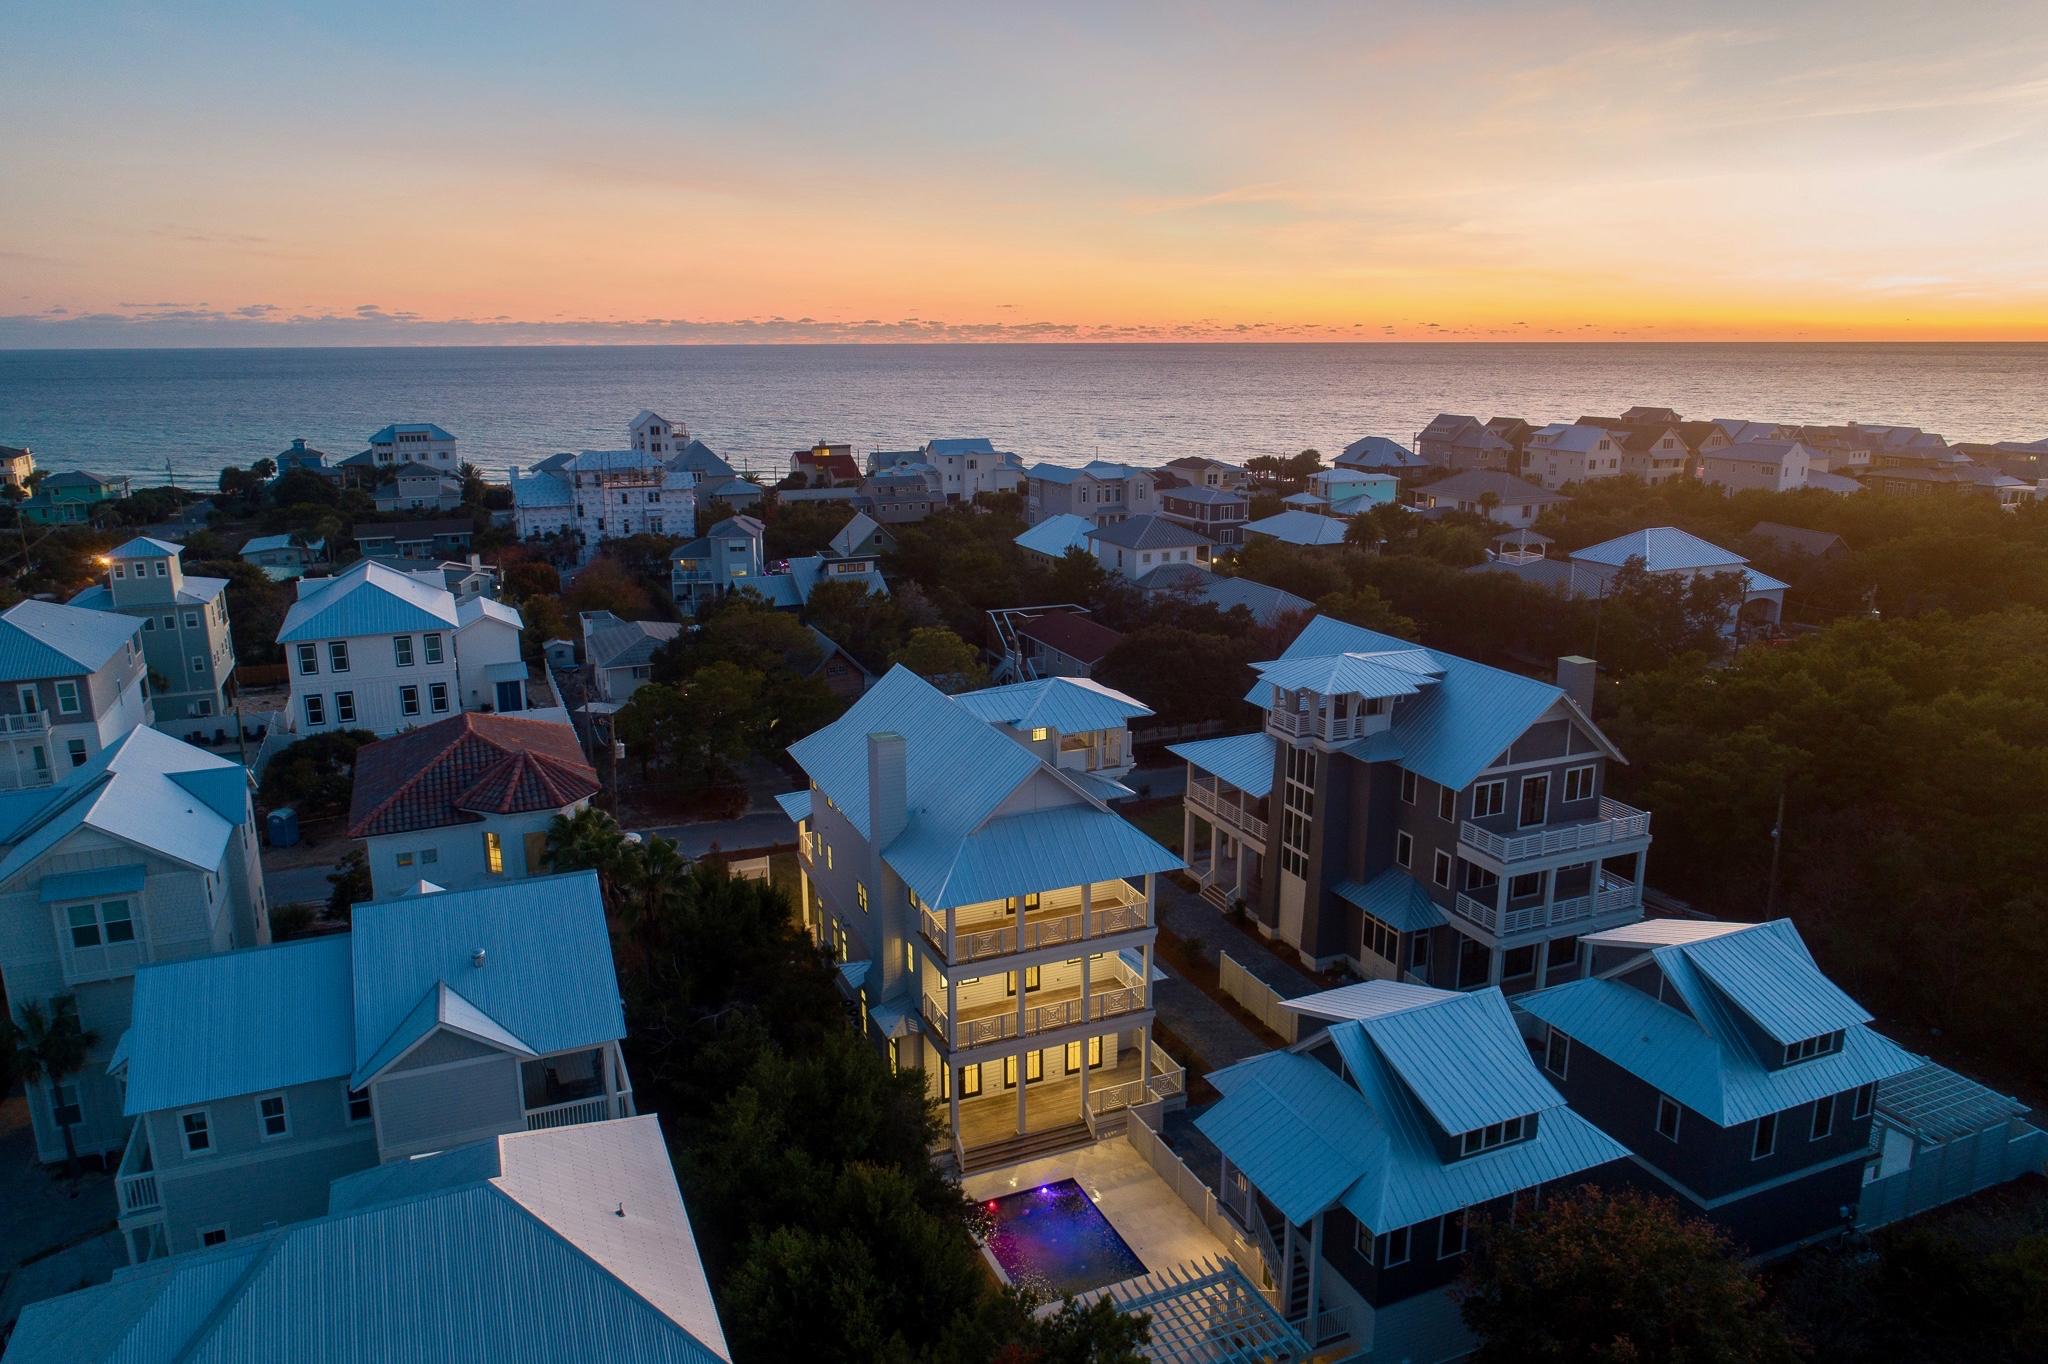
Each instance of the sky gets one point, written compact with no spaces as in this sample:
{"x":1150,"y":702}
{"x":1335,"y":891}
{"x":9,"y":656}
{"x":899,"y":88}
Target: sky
{"x":393,"y":173}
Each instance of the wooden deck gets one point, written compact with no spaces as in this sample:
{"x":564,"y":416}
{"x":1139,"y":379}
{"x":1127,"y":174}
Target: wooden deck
{"x":1052,"y":1103}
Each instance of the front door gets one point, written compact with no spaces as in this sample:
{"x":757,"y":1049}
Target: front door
{"x":1535,"y":799}
{"x":512,"y":696}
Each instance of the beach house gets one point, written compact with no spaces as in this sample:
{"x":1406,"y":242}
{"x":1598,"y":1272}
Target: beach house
{"x":73,"y":681}
{"x":186,"y":642}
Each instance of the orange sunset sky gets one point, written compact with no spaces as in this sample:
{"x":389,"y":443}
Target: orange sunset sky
{"x":317,"y":173}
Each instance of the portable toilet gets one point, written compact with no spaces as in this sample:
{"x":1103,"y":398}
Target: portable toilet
{"x":281,"y":827}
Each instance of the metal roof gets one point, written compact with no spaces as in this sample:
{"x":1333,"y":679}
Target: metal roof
{"x":1055,"y":535}
{"x":367,"y":599}
{"x":960,"y":445}
{"x":1462,"y":1059}
{"x":1377,"y":452}
{"x":1067,"y":845}
{"x":795,"y":804}
{"x":1766,"y":971}
{"x":857,"y":531}
{"x":1103,"y":470}
{"x":1399,"y":672}
{"x":1364,"y":999}
{"x":1569,"y":437}
{"x":85,"y":885}
{"x":387,"y":434}
{"x":146,"y":547}
{"x":1771,"y":452}
{"x":1299,"y":528}
{"x":1148,"y":532}
{"x":1207,"y":496}
{"x":40,"y":639}
{"x":1936,"y":1105}
{"x":1225,"y":591}
{"x":581,"y":1227}
{"x":547,"y":977}
{"x":1069,"y":705}
{"x":441,"y":1008}
{"x":1243,"y":760}
{"x":240,"y":1022}
{"x":1473,"y":484}
{"x":1658,"y":932}
{"x":542,"y":490}
{"x":1662,"y":549}
{"x":1395,"y":898}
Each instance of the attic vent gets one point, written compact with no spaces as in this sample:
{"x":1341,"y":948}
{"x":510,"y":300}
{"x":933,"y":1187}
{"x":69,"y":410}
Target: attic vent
{"x":476,"y":959}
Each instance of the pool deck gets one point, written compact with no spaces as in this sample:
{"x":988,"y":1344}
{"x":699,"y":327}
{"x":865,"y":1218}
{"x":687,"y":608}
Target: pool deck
{"x":1150,"y":1217}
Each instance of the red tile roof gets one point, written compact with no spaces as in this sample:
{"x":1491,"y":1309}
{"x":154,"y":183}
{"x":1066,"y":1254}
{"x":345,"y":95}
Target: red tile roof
{"x":1072,"y":634}
{"x":458,"y":770}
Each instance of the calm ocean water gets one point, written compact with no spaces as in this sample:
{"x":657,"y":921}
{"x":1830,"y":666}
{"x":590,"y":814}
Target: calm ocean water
{"x":132,"y":411}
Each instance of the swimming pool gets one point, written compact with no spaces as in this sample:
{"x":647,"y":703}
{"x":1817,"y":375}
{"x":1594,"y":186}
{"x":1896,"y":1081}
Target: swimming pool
{"x":1055,"y":1240}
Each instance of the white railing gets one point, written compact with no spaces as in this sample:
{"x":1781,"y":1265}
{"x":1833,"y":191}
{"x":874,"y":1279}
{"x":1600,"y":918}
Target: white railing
{"x":1038,"y":1018}
{"x":1617,"y":823}
{"x":1000,"y":937}
{"x":28,"y":723}
{"x":595,"y":1109}
{"x":1117,"y":1096}
{"x":136,"y":1178}
{"x":1613,"y":897}
{"x":1167,"y":1076}
{"x":1206,"y":794}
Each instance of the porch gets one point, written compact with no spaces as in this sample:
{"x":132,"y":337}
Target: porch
{"x":994,"y":928}
{"x":1106,"y":989}
{"x":1011,"y":1105}
{"x":576,"y":1087}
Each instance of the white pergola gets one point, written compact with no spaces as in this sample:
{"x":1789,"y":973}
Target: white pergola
{"x":1208,"y":1312}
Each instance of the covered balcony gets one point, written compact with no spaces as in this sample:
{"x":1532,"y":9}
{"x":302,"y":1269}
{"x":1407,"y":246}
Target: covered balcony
{"x":1616,"y":824}
{"x":989,"y":1010}
{"x":1606,"y":895}
{"x":996,"y":928}
{"x":576,"y":1087}
{"x":135,"y":1186}
{"x":1080,"y":1090}
{"x":1237,"y":810}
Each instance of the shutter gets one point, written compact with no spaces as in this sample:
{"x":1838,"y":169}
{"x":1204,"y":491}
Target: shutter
{"x":536,"y":853}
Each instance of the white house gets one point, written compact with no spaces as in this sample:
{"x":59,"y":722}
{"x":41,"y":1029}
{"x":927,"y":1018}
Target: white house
{"x":439,"y":1018}
{"x":372,"y":648}
{"x":1297,"y":527}
{"x":1056,"y":536}
{"x":72,"y":682}
{"x":147,"y":854}
{"x":419,"y":487}
{"x":726,"y":557}
{"x":1663,"y":551}
{"x":688,"y":460}
{"x":1776,"y":466}
{"x":603,"y":495}
{"x":1134,"y":547}
{"x":404,"y":443}
{"x":621,"y":652}
{"x":970,"y":466}
{"x":1501,"y":498}
{"x":283,"y":557}
{"x":186,"y":642}
{"x":1565,"y":452}
{"x":465,"y":801}
{"x":1101,"y":490}
{"x":1349,"y":491}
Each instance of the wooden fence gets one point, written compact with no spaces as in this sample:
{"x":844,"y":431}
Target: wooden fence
{"x":1259,"y":999}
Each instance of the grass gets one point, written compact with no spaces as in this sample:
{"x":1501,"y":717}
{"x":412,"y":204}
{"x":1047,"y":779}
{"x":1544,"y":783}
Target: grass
{"x":1159,"y":820}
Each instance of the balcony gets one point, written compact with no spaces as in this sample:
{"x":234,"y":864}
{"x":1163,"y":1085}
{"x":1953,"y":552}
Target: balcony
{"x":135,"y":1181}
{"x":992,"y":930}
{"x":1614,"y":896}
{"x":1617,"y":823}
{"x":32,"y":724}
{"x":1207,"y":793}
{"x":1308,"y":724}
{"x":1164,"y":1079}
{"x":596,"y":1109}
{"x":1044,"y":1011}
{"x":569,"y":1088}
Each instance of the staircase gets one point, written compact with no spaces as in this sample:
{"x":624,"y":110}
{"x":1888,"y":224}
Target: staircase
{"x":1029,"y":1146}
{"x":1294,"y":1294}
{"x":1217,"y":896}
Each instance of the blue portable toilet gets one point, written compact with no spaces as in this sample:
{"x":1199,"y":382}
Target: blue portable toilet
{"x":282,"y":827}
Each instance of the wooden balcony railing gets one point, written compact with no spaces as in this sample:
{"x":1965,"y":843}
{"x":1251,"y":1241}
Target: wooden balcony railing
{"x":135,"y":1180}
{"x":1206,"y":793}
{"x":1617,"y":823}
{"x":978,"y":940}
{"x":959,"y":1033}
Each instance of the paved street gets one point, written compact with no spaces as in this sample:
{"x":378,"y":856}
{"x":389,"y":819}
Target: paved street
{"x":297,"y":885}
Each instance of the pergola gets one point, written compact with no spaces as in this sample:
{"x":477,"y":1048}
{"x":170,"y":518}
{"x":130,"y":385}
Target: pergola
{"x":1208,"y":1312}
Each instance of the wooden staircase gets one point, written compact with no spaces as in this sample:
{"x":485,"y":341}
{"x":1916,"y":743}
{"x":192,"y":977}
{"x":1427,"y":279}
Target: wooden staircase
{"x":1216,"y":895}
{"x":1294,"y":1298}
{"x":1029,"y":1146}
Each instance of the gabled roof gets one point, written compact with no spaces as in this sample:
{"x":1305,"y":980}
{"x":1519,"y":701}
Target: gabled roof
{"x":1364,"y":999}
{"x":1299,"y":528}
{"x":40,"y":639}
{"x":542,"y":490}
{"x":1473,"y":484}
{"x":697,"y":457}
{"x":458,"y":770}
{"x":960,"y":445}
{"x":1148,"y":532}
{"x":1377,"y":452}
{"x":388,"y":434}
{"x":1068,"y":705}
{"x":631,"y":644}
{"x":1384,"y":674}
{"x":612,"y":461}
{"x":1419,"y":1067}
{"x":1771,"y":452}
{"x":1055,"y":535}
{"x":1749,"y":981}
{"x":582,"y":1227}
{"x":146,"y":789}
{"x":857,"y":531}
{"x":1243,"y":760}
{"x":1267,"y":604}
{"x":367,"y":598}
{"x":260,"y":544}
{"x":1662,"y":549}
{"x":1569,"y":437}
{"x":146,"y":547}
{"x":1018,"y":854}
{"x":1102,"y":470}
{"x":415,"y":530}
{"x":736,"y":528}
{"x":240,"y":1022}
{"x":1203,"y":494}
{"x":546,"y":979}
{"x":1069,"y":632}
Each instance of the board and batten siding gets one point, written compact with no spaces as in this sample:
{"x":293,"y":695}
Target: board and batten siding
{"x":447,"y":1105}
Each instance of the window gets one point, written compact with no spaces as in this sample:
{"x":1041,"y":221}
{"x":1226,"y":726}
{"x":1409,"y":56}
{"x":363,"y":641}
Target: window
{"x":1535,"y":799}
{"x":272,"y":1121}
{"x":163,"y":569}
{"x":1446,"y":804}
{"x":1073,"y":1059}
{"x":1667,"y":1118}
{"x":494,"y":854}
{"x":1408,"y":785}
{"x":97,"y":925}
{"x":1010,"y":1071}
{"x":1381,"y":940}
{"x":1495,"y":1134}
{"x":401,"y":650}
{"x":1034,"y":1066}
{"x":1418,"y":951}
{"x":196,"y":1129}
{"x":1450,"y":1236}
{"x":1766,"y":1140}
{"x":337,"y":655}
{"x":1031,"y":978}
{"x":1519,"y":962}
{"x":345,"y":707}
{"x":404,"y":859}
{"x":1442,"y":870}
{"x":1527,"y":884}
{"x":1094,"y":1052}
{"x":1578,"y":782}
{"x":309,"y":660}
{"x":67,"y":697}
{"x":65,"y":1109}
{"x":1040,"y":734}
{"x":1864,"y":1097}
{"x":433,"y":647}
{"x":1824,"y":1045}
{"x":31,"y":701}
{"x":970,"y":1081}
{"x":199,"y":663}
{"x":1393,"y":1247}
{"x":409,"y":700}
{"x":1557,"y":1053}
{"x":120,"y":573}
{"x":1823,"y":1119}
{"x":316,"y":710}
{"x":358,"y":1106}
{"x":860,"y":895}
{"x":437,"y":697}
{"x":1489,"y":798}
{"x":191,"y":620}
{"x":1479,"y":878}
{"x":1404,"y":849}
{"x":213,"y":1236}
{"x":170,"y":620}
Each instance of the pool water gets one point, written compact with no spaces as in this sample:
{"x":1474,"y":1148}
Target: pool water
{"x":1055,"y":1240}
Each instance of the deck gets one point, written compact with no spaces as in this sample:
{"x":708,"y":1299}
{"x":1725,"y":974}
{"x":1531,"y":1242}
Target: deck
{"x":1048,"y":1104}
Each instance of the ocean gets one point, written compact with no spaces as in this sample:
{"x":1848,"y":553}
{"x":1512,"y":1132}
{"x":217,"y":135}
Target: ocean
{"x":188,"y":412}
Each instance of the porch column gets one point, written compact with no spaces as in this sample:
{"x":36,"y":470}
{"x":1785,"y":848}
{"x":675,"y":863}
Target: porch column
{"x":1087,"y":911}
{"x":1493,"y":963}
{"x":1315,"y":1276}
{"x":952,"y":1013}
{"x":608,"y":1063}
{"x":1151,"y":897}
{"x":953,"y":1099}
{"x":1237,"y":882}
{"x":1286,"y":1263}
{"x":1023,"y":1080}
{"x":952,"y":944}
{"x":1549,"y":892}
{"x":803,"y":895}
{"x":1145,"y":984}
{"x":1187,"y":830}
{"x":1087,"y":1013}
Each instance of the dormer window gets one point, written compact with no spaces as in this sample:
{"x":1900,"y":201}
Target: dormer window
{"x":1497,"y":1134}
{"x":1827,"y":1044}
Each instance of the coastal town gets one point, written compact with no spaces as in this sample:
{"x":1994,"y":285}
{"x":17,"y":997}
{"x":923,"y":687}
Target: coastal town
{"x":917,"y":903}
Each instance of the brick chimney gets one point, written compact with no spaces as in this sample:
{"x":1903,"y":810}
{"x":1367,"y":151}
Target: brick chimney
{"x":1575,"y":676}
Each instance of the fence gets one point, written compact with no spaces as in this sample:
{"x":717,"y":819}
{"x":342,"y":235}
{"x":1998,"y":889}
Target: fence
{"x":1259,"y":999}
{"x":1956,"y":1169}
{"x":1199,"y":1197}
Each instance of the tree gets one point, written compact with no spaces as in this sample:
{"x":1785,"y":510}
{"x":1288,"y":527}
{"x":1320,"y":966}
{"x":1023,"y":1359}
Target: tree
{"x":256,"y":607}
{"x":644,"y":557}
{"x":531,"y":578}
{"x":942,"y":658}
{"x":590,"y":840}
{"x":604,"y":585}
{"x":351,"y":882}
{"x":791,"y":529}
{"x":1615,"y":1278}
{"x":473,"y":485}
{"x":1078,"y":577}
{"x":1185,"y":676}
{"x":303,"y":487}
{"x":869,"y":625}
{"x":52,"y":1046}
{"x":315,"y":774}
{"x":1364,"y":606}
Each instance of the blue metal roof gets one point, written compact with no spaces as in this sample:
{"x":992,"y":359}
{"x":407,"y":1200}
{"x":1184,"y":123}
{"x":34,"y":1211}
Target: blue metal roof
{"x":1243,"y":760}
{"x":40,"y":639}
{"x":1148,"y":532}
{"x":1662,"y":549}
{"x":386,"y":435}
{"x":1295,"y":1129}
{"x":1379,"y":452}
{"x":1463,"y":1060}
{"x":368,"y":599}
{"x":796,"y":804}
{"x":242,"y":1022}
{"x":84,"y":885}
{"x":1068,"y":705}
{"x":146,"y":547}
{"x":1222,"y":591}
{"x":961,"y":445}
{"x":1068,"y":845}
{"x":1055,"y":535}
{"x":542,"y":490}
{"x":1299,"y":528}
{"x":547,"y":977}
{"x":1395,"y":898}
{"x":1767,"y":972}
{"x":1401,"y":672}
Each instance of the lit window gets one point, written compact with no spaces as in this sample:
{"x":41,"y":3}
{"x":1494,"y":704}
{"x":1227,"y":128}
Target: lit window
{"x":494,"y":854}
{"x":1040,"y":734}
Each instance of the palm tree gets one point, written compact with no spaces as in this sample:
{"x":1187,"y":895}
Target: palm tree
{"x":51,"y":1047}
{"x":648,"y":884}
{"x":590,"y":838}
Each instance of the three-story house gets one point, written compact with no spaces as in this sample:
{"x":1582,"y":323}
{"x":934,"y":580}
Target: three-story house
{"x":72,"y":683}
{"x":186,"y":642}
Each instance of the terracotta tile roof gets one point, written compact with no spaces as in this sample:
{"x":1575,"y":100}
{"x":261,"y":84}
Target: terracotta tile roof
{"x":457,"y":770}
{"x":1074,"y":635}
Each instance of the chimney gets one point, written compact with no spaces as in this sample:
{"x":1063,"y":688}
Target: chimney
{"x":1575,"y":676}
{"x":887,"y":790}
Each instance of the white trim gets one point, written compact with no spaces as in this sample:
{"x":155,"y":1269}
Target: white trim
{"x":1404,"y":840}
{"x":1522,"y":801}
{"x":1677,"y":1117}
{"x":284,"y":1110}
{"x":185,"y":1137}
{"x":1497,"y":785}
{"x":1757,"y":1135}
{"x":1551,"y":1039}
{"x":1826,"y":1105}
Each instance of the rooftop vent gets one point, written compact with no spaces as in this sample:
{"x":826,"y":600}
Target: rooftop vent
{"x":476,"y":959}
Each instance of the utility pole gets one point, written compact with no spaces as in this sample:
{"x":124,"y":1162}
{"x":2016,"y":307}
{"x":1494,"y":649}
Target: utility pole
{"x":1777,"y":846}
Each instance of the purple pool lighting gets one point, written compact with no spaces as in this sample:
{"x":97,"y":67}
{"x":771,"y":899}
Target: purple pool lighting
{"x":1055,"y":1240}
